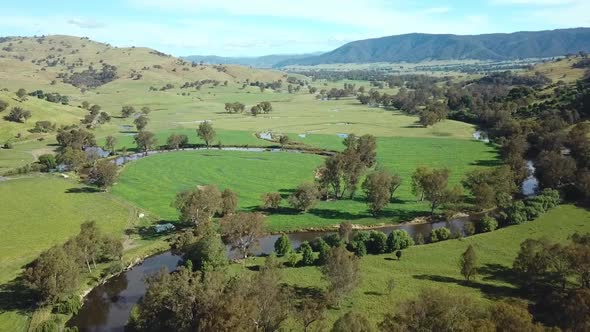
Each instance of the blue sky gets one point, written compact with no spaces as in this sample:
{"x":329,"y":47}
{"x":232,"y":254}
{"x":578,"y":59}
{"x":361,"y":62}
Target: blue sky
{"x":259,"y":27}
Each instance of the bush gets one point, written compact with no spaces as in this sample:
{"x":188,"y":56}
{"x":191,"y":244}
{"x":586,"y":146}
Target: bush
{"x":324,"y":251}
{"x":399,"y":239}
{"x":7,"y":145}
{"x":377,"y":243}
{"x":468,"y":228}
{"x":333,"y":240}
{"x":307,"y":254}
{"x":271,"y":201}
{"x":440,"y":234}
{"x":48,"y":161}
{"x":359,"y":248}
{"x":487,"y":224}
{"x":282,"y":245}
{"x":69,"y":306}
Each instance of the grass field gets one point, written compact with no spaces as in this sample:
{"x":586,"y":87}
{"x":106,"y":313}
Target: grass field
{"x":152,"y":183}
{"x":436,"y":265}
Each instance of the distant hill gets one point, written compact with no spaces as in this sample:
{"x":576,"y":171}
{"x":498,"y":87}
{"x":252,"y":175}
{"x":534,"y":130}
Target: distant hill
{"x":267,"y":61}
{"x":416,"y":47}
{"x":68,"y":64}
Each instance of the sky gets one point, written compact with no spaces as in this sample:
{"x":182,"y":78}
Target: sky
{"x":261,"y":27}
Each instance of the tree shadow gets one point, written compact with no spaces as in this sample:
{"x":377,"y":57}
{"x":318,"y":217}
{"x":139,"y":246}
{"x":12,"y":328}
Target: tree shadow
{"x":489,"y":290}
{"x":14,"y":296}
{"x":83,"y":190}
{"x":487,"y":163}
{"x":309,"y":291}
{"x":374,"y":293}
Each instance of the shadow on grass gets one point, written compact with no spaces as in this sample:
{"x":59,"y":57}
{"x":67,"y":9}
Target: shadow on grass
{"x":489,"y":290}
{"x":487,"y":163}
{"x":14,"y":296}
{"x":83,"y":190}
{"x":373,"y":293}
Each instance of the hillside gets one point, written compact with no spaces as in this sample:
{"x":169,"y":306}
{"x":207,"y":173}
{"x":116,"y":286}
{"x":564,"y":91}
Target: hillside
{"x":418,"y":47}
{"x":70,"y":64}
{"x":267,"y":61}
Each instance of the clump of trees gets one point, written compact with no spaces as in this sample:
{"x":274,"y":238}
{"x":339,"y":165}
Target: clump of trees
{"x":176,"y":141}
{"x":235,"y":107}
{"x":55,"y":274}
{"x":103,"y":174}
{"x":145,"y":141}
{"x":433,"y":185}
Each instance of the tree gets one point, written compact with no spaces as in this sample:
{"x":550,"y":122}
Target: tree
{"x":345,"y":231}
{"x":103,"y":174}
{"x":271,"y":300}
{"x":377,"y":187}
{"x":54,"y":275}
{"x":341,"y":271}
{"x":242,"y":231}
{"x":229,"y":202}
{"x":307,"y":254}
{"x":310,"y":311}
{"x":399,"y":239}
{"x":366,"y":147}
{"x":176,"y":141}
{"x":21,"y":94}
{"x":440,"y":234}
{"x":76,"y":138}
{"x":491,"y":187}
{"x":282,"y":245}
{"x":468,"y":263}
{"x":304,"y":197}
{"x":141,"y":122}
{"x":208,"y":253}
{"x":396,"y":182}
{"x":18,"y":114}
{"x":432,"y":185}
{"x":146,"y":110}
{"x":435,"y":310}
{"x":206,"y":132}
{"x":554,"y":170}
{"x":199,"y":205}
{"x":255,"y":110}
{"x":284,"y":140}
{"x":513,"y":318}
{"x":433,"y":113}
{"x":110,"y":144}
{"x":127,"y":111}
{"x":73,"y":158}
{"x":145,"y":141}
{"x":341,"y":173}
{"x":271,"y":201}
{"x":48,"y":161}
{"x":266,"y":107}
{"x":377,"y":243}
{"x":353,"y":321}
{"x":3,"y":106}
{"x":398,"y":254}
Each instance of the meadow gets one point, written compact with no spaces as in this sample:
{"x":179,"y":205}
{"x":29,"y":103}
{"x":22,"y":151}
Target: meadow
{"x":151,"y":183}
{"x":436,"y":266}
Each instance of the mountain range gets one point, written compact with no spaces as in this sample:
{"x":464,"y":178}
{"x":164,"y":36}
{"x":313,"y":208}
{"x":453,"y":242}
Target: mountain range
{"x":267,"y":61}
{"x":417,"y":47}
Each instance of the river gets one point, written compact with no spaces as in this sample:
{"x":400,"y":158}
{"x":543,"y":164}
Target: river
{"x":108,"y":306}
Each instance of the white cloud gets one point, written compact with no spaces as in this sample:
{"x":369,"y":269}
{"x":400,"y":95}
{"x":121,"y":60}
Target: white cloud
{"x":538,"y":3}
{"x":86,"y":23}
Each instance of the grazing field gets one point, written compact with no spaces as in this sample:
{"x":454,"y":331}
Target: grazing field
{"x":152,"y":182}
{"x":46,"y":210}
{"x":436,"y":265}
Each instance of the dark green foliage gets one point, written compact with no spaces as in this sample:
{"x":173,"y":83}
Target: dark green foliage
{"x":307,"y":254}
{"x":145,"y":141}
{"x":468,"y":263}
{"x":103,"y":174}
{"x":54,"y":275}
{"x":440,"y":234}
{"x":43,"y":127}
{"x":69,"y":306}
{"x":359,"y":248}
{"x":324,"y":251}
{"x":77,"y":138}
{"x":48,"y":161}
{"x":282,"y":245}
{"x":398,"y":254}
{"x":18,"y":114}
{"x":91,"y":78}
{"x":486,"y":224}
{"x":208,"y":253}
{"x":377,"y":243}
{"x":229,"y":202}
{"x":305,"y":197}
{"x":399,"y":239}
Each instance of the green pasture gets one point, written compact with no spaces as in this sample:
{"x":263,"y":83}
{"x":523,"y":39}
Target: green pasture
{"x":152,"y":182}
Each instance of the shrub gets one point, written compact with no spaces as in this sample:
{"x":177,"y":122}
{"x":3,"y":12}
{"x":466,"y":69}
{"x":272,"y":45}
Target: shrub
{"x":487,"y":224}
{"x":324,"y":251}
{"x":48,"y":161}
{"x":440,"y":234}
{"x":307,"y":254}
{"x":271,"y":201}
{"x":399,"y":239}
{"x":377,"y":243}
{"x":333,"y":240}
{"x":69,"y":306}
{"x":359,"y":248}
{"x":282,"y":245}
